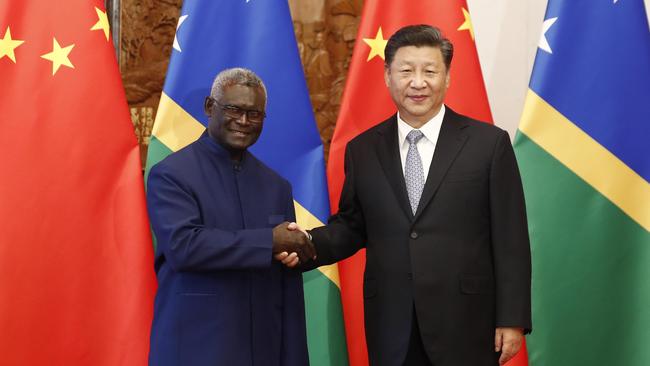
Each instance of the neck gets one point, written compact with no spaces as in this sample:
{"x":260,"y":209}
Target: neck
{"x":414,"y":123}
{"x":236,"y":156}
{"x":419,"y":121}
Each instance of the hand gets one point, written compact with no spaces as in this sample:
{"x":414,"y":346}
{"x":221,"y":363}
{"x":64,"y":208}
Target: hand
{"x":289,"y":260}
{"x":507,"y":340}
{"x":293,"y":227}
{"x":290,"y":241}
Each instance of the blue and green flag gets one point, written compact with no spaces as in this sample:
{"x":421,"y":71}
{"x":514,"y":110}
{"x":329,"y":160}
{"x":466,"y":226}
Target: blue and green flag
{"x":212,"y":36}
{"x":583,"y":147}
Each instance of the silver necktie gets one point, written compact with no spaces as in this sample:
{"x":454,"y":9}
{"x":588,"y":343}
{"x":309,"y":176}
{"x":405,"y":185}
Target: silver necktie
{"x":413,"y":173}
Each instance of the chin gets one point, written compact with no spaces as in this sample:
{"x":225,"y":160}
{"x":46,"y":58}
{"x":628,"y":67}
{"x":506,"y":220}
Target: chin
{"x":417,"y":114}
{"x":241,"y":147}
{"x":237,"y":145}
{"x":424,"y":112}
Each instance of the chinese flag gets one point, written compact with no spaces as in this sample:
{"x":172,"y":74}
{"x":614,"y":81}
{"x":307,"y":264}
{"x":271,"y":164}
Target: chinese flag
{"x":366,"y":102}
{"x":76,"y":263}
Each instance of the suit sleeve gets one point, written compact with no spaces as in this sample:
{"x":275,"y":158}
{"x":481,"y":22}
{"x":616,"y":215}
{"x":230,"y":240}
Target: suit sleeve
{"x":345,"y":232}
{"x":510,"y":242}
{"x":294,"y":334}
{"x":186,"y":243}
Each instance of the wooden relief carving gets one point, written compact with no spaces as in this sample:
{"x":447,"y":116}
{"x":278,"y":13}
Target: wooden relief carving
{"x":147,"y":29}
{"x":325,"y":31}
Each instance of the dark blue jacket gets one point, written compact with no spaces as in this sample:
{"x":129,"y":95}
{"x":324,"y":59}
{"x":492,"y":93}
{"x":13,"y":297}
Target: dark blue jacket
{"x":222,"y":299}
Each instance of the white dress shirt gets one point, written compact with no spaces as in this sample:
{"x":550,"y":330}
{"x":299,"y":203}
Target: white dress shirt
{"x":426,"y":145}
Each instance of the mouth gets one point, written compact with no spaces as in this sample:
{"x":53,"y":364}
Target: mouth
{"x":418,"y":98}
{"x":239,"y":133}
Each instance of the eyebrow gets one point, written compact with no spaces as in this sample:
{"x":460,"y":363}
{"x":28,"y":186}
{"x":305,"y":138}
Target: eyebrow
{"x":429,"y":64}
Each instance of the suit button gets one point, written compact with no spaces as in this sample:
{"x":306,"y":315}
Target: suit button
{"x":414,"y":235}
{"x":409,"y":276}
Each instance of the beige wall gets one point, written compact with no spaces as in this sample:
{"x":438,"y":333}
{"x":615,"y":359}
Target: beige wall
{"x":507,"y":32}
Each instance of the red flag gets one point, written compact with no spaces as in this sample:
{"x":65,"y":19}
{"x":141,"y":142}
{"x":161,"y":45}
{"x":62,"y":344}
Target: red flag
{"x":366,"y":102}
{"x":76,"y":273}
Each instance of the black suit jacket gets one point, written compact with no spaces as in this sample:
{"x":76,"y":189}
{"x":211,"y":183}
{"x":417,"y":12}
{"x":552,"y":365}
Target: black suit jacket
{"x":463,"y":259}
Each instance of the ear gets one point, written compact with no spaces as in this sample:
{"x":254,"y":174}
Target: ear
{"x":387,"y":76}
{"x":447,"y":79}
{"x":207,"y":105}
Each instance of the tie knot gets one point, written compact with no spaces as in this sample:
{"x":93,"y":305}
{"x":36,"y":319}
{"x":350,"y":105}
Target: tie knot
{"x":414,"y":136}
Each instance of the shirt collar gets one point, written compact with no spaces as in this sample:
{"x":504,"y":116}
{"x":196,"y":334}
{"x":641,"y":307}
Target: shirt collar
{"x":430,"y":129}
{"x":219,"y":150}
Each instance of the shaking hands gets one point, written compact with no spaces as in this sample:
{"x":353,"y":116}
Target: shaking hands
{"x":291,"y":245}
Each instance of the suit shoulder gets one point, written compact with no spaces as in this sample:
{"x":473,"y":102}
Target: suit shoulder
{"x":177,"y":160}
{"x":479,"y":128}
{"x":370,"y":134}
{"x":269,"y":175}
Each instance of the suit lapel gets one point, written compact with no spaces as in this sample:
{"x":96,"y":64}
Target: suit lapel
{"x":450,"y":142}
{"x":389,"y":158}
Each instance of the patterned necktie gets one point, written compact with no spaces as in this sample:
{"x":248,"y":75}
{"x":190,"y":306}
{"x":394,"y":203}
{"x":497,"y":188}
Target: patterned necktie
{"x":413,"y":173}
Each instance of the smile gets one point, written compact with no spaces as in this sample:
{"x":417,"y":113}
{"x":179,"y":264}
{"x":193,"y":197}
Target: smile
{"x":418,"y":98}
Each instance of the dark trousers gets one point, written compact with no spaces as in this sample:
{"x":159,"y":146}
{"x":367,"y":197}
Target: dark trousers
{"x":416,"y":355}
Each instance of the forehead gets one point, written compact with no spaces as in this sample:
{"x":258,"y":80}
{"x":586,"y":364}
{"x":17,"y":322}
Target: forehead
{"x":423,"y":55}
{"x":243,"y":94}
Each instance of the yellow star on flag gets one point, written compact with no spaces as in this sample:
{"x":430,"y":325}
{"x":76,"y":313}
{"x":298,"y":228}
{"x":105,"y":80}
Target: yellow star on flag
{"x":59,"y":56}
{"x":377,"y":45}
{"x":8,"y":45}
{"x":102,"y":23}
{"x":467,"y":25}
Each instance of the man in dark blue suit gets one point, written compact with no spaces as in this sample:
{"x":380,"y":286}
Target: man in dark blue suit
{"x":220,"y":216}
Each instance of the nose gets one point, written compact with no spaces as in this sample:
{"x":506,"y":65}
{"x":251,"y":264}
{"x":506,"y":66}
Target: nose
{"x":243,"y":120}
{"x":418,"y":81}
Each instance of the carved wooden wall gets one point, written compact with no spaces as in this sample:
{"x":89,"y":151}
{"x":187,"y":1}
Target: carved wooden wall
{"x":146,"y":33}
{"x":325,"y":31}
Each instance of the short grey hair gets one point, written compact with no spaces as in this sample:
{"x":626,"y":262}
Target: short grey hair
{"x":236,"y":76}
{"x":421,"y":35}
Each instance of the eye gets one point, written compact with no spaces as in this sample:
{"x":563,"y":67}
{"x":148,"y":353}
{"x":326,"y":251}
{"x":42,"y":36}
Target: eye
{"x":231,"y":108}
{"x":430,"y":72}
{"x":405,"y":71}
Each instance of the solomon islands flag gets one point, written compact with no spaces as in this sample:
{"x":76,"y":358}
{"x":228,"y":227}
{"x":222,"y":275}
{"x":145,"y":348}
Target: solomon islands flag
{"x":583,"y":147}
{"x":212,"y":36}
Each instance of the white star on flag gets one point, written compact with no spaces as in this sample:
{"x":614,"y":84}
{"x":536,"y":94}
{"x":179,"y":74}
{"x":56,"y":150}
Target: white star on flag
{"x":543,"y":42}
{"x":177,"y":46}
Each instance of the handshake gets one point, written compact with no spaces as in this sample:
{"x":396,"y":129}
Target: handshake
{"x":291,"y":245}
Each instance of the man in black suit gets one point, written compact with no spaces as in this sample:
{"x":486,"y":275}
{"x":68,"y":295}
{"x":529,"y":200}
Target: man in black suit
{"x":436,"y":199}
